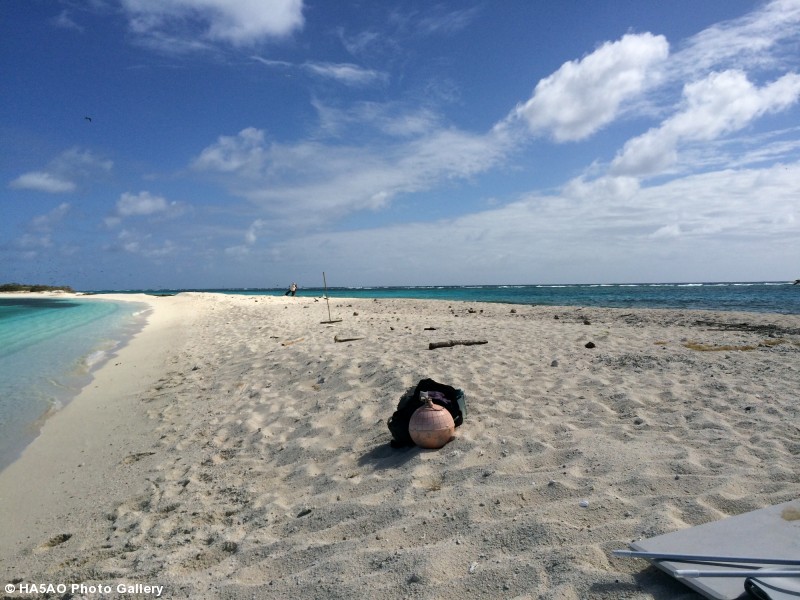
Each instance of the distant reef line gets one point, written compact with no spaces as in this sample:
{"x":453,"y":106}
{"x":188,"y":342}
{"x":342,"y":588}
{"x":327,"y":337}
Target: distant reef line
{"x":25,"y":287}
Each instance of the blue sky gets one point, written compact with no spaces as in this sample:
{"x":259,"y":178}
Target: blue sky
{"x":247,"y":143}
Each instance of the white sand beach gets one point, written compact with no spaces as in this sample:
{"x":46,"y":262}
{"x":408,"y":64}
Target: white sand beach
{"x":234,"y":449}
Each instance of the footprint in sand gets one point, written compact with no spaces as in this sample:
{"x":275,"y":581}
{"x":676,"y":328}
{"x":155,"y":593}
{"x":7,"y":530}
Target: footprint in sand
{"x":132,"y":458}
{"x":53,"y":542}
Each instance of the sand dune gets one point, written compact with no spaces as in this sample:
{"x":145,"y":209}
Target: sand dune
{"x":251,"y":457}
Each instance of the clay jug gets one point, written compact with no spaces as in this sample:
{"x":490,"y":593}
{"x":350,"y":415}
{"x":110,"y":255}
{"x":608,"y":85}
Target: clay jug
{"x":431,"y":426}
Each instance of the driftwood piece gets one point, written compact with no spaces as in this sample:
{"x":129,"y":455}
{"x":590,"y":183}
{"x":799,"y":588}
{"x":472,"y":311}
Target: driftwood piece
{"x":343,"y":338}
{"x":451,"y":343}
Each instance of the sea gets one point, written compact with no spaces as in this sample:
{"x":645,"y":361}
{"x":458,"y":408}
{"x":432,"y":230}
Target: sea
{"x":50,"y":347}
{"x":768,"y":296}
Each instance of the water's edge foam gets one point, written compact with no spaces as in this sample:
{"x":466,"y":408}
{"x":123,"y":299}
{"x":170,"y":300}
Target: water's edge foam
{"x":49,"y":392}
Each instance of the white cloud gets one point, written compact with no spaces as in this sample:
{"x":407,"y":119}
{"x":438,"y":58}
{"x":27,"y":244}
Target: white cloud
{"x":47,"y":221}
{"x":30,"y":242}
{"x":242,"y":153}
{"x":667,"y":231}
{"x":39,"y":234}
{"x":61,"y":174}
{"x":764,"y":38}
{"x":251,"y":235}
{"x":412,"y":124}
{"x":440,"y":22}
{"x":762,"y":149}
{"x":312,"y":182}
{"x":271,"y":62}
{"x":42,"y":182}
{"x":717,"y":105}
{"x":362,"y":43}
{"x":80,"y":163}
{"x":65,"y":21}
{"x":583,"y":96}
{"x":238,"y":252}
{"x":166,"y":249}
{"x":452,"y":153}
{"x":174,"y":25}
{"x":429,"y":20}
{"x":391,"y":119}
{"x":129,"y":241}
{"x":345,"y":73}
{"x":141,"y":204}
{"x":727,"y":101}
{"x":617,"y":231}
{"x":134,"y":242}
{"x":618,"y":188}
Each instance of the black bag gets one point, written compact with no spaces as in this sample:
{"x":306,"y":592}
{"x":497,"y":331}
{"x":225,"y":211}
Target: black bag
{"x":448,"y":397}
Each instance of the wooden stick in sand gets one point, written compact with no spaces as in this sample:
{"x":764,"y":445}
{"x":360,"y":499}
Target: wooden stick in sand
{"x":451,"y":343}
{"x":330,"y":320}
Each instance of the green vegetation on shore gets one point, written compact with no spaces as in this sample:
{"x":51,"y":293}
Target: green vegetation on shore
{"x":22,"y":287}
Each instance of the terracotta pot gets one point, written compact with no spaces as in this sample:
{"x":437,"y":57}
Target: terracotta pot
{"x":431,"y":426}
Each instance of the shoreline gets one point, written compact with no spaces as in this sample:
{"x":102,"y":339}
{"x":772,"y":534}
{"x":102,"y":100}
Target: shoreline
{"x":777,"y":297}
{"x":103,"y":411}
{"x":70,"y":383}
{"x":234,"y":447}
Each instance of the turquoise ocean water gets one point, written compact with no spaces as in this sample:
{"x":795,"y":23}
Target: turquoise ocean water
{"x":773,"y":296}
{"x":48,"y":349}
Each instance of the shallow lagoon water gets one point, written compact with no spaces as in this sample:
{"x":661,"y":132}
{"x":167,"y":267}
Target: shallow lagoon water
{"x":48,"y":349}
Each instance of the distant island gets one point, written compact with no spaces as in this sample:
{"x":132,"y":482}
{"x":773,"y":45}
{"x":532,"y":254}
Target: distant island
{"x":22,"y":287}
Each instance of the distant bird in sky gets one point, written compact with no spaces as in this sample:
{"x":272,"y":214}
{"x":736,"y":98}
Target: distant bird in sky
{"x":88,"y":119}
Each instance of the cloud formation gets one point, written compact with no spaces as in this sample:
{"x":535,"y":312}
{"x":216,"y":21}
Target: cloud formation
{"x":143,"y":204}
{"x":439,"y":21}
{"x":344,"y":73}
{"x":583,"y":96}
{"x":175,"y":25}
{"x":65,"y":21}
{"x":48,"y":221}
{"x":715,"y":106}
{"x":63,"y":172}
{"x":244,"y":153}
{"x":765,"y":38}
{"x":41,"y":181}
{"x":39,"y":232}
{"x":315,"y":181}
{"x":606,"y":226}
{"x":311,"y":183}
{"x":135,"y":242}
